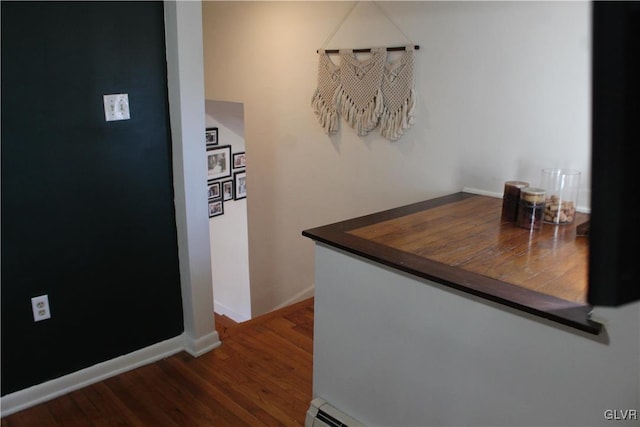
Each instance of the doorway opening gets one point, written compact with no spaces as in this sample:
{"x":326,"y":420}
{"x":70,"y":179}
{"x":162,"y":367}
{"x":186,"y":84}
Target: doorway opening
{"x":228,"y":231}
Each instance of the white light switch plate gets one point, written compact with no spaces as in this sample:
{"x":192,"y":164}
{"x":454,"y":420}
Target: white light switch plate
{"x":116,"y":107}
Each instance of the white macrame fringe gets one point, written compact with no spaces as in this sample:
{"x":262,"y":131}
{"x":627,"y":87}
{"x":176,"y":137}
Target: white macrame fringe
{"x":362,"y":120}
{"x":394,"y":123}
{"x":327,"y":116}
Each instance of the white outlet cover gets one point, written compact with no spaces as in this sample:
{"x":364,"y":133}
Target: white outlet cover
{"x":40,"y":306}
{"x":116,"y":107}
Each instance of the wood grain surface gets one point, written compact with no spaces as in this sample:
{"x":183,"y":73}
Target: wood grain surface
{"x":260,"y":376}
{"x":460,"y":241}
{"x":470,"y":235}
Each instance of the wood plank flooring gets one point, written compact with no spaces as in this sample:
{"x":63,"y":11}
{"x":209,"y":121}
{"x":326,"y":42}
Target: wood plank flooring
{"x":260,"y":376}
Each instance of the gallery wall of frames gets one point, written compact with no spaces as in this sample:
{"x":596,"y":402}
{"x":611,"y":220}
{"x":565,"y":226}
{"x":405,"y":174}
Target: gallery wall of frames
{"x":226,"y":173}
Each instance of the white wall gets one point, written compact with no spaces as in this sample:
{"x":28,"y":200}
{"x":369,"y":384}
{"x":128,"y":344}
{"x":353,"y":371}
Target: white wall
{"x":503,"y":91}
{"x":186,"y":108}
{"x":421,"y":354}
{"x":228,"y":232}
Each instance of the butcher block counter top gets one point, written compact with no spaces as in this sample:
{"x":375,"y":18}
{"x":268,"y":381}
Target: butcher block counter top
{"x":460,"y":241}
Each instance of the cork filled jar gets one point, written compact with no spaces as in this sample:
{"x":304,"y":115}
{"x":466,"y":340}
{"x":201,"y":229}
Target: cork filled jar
{"x":531,"y":208}
{"x":561,"y":187}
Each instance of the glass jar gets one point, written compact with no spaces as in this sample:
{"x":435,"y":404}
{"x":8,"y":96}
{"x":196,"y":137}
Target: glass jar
{"x":561,"y":186}
{"x":531,"y":208}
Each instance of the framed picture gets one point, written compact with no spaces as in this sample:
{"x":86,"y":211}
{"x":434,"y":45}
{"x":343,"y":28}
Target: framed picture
{"x":227,"y":190}
{"x":216,"y":208}
{"x":218,"y":162}
{"x":239,"y":160}
{"x":240,"y":180}
{"x":214,"y":190}
{"x":211,"y":135}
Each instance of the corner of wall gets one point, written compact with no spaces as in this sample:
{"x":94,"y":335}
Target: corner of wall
{"x":198,"y":347}
{"x":185,"y":75}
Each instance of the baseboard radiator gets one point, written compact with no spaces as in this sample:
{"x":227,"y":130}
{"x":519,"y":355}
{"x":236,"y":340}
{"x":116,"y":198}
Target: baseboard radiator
{"x":321,"y":414}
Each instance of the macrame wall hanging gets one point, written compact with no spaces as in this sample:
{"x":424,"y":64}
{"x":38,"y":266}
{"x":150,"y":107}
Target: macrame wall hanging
{"x":367,"y":93}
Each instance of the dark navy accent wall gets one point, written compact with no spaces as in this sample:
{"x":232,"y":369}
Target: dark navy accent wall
{"x":87,"y":205}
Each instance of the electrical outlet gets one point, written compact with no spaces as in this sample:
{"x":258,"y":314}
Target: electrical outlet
{"x":40,"y":306}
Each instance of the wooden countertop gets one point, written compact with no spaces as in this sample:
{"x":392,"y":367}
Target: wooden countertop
{"x":460,"y":241}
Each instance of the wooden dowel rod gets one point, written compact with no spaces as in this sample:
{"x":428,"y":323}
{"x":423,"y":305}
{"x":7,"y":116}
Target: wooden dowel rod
{"x":389,"y":49}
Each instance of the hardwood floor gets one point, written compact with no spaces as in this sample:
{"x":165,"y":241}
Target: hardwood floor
{"x":260,"y":376}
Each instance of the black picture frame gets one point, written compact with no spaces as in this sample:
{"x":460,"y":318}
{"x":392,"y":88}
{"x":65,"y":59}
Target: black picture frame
{"x":211,"y":136}
{"x":239,"y":160}
{"x":240,"y":185}
{"x":227,"y":190}
{"x":218,"y":162}
{"x":214,"y":190}
{"x":216,"y":208}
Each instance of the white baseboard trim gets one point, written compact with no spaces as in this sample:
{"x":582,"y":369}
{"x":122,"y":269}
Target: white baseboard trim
{"x":225,"y":310}
{"x":200,"y":346}
{"x":482,"y":192}
{"x":39,"y":393}
{"x":300,"y":296}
